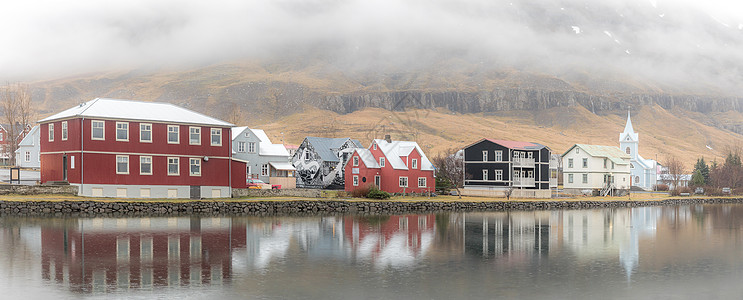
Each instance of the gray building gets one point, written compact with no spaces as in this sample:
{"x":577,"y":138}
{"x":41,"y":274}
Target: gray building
{"x":27,"y":154}
{"x":265,"y":161}
{"x":319,"y":161}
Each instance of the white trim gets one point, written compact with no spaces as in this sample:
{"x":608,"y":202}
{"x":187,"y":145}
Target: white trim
{"x":177,"y":134}
{"x":355,"y":160}
{"x":50,"y":131}
{"x":425,"y":182}
{"x":414,"y":163}
{"x":190,"y":132}
{"x":355,"y":180}
{"x":135,"y":153}
{"x":140,"y":165}
{"x":127,"y":164}
{"x":64,"y":130}
{"x":140,"y":132}
{"x":103,"y":128}
{"x":399,"y":179}
{"x":178,"y":163}
{"x":191,"y":164}
{"x":116,"y":135}
{"x":211,"y":136}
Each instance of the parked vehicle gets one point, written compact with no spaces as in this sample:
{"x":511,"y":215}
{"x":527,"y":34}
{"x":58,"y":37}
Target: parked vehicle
{"x":259,"y":184}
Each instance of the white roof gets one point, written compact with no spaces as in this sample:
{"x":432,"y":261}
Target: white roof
{"x":282,"y":165}
{"x":237,"y":131}
{"x":261,"y":135}
{"x":367,"y":158}
{"x":264,"y":145}
{"x":273,"y":150}
{"x":136,"y":110}
{"x":395,"y":149}
{"x":29,"y":139}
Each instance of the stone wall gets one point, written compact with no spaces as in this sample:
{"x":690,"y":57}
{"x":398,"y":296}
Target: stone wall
{"x":37,"y":189}
{"x":307,"y":207}
{"x":305,"y":193}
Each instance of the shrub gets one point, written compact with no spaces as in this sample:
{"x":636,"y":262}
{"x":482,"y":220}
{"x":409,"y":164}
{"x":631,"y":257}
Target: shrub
{"x":360,"y":192}
{"x":341,"y":194}
{"x":661,"y":187}
{"x":678,"y":191}
{"x":376,"y":193}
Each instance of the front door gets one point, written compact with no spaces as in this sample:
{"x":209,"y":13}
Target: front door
{"x":195,"y":192}
{"x":64,"y":167}
{"x":378,"y":181}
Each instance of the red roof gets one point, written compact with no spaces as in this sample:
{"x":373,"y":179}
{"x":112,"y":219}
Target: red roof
{"x":517,"y":145}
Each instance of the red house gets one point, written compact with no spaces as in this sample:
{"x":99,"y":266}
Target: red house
{"x":124,"y":148}
{"x":393,"y":166}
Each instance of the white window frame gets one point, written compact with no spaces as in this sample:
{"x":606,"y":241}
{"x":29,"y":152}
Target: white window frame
{"x":414,"y":163}
{"x":585,"y":178}
{"x":216,"y":132}
{"x":498,"y":175}
{"x":28,"y":156}
{"x":177,"y":132}
{"x":403,"y":181}
{"x":145,"y":127}
{"x":124,"y":126}
{"x":125,"y":157}
{"x":178,"y":166}
{"x":530,"y":155}
{"x":194,"y":162}
{"x":194,"y":130}
{"x":530,"y":174}
{"x":381,"y":161}
{"x":355,"y":180}
{"x":355,"y":161}
{"x":499,"y":155}
{"x":251,"y":149}
{"x":570,"y":178}
{"x":64,"y":130}
{"x":142,"y":162}
{"x":422,"y":181}
{"x":51,"y":132}
{"x":485,"y":175}
{"x":570,"y":162}
{"x":241,"y":147}
{"x":585,"y":162}
{"x":264,"y":170}
{"x":93,"y":128}
{"x":485,"y":155}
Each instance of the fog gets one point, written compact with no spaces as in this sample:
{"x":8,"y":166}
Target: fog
{"x":691,"y":43}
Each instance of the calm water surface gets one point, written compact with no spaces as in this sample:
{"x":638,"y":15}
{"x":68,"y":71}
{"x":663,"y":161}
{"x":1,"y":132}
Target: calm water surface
{"x":649,"y":252}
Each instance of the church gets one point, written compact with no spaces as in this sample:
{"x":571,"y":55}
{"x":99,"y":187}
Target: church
{"x":643,"y":171}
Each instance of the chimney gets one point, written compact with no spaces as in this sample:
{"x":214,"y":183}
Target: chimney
{"x":388,"y":138}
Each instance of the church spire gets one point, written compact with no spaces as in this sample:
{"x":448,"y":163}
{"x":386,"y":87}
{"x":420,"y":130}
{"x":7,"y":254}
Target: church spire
{"x":629,"y":134}
{"x":628,"y":128}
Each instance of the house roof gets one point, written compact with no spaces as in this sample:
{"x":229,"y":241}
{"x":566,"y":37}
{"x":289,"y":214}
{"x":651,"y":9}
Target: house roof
{"x":368,"y":158}
{"x":395,"y":149}
{"x":136,"y":110}
{"x":28,"y":140}
{"x":282,"y":165}
{"x":265,"y":146}
{"x":237,"y":131}
{"x":324,"y":146}
{"x":611,"y":152}
{"x":518,"y":145}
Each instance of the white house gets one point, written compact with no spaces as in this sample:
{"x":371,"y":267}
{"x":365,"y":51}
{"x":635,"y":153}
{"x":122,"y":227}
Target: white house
{"x":644,"y":171}
{"x":590,"y":168}
{"x":265,"y":161}
{"x":27,"y":154}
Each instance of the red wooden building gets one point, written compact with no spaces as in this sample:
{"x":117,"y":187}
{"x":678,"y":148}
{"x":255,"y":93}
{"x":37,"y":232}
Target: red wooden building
{"x":124,"y":148}
{"x":393,"y":166}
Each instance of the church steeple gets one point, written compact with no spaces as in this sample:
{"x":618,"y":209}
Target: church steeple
{"x":628,"y":128}
{"x":629,"y":134}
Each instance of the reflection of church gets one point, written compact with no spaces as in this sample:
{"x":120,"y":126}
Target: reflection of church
{"x":644,"y":171}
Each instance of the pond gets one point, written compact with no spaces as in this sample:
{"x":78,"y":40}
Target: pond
{"x":649,"y":252}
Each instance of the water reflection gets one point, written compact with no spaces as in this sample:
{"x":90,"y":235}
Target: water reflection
{"x":269,"y":255}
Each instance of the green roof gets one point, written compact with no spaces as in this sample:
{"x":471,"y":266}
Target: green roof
{"x":611,"y":152}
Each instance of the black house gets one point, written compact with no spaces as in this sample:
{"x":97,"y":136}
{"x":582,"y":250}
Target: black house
{"x":497,"y":164}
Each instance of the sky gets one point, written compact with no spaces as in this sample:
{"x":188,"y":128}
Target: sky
{"x":677,"y":42}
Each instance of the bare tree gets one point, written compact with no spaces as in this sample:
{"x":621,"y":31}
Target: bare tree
{"x":235,"y":115}
{"x":450,"y":169}
{"x":676,"y":170}
{"x":17,"y":110}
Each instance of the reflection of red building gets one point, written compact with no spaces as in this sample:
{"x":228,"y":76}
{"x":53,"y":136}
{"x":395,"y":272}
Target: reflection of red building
{"x":371,"y":235}
{"x":103,"y":254}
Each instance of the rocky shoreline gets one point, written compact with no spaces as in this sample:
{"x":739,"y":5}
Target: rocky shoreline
{"x":308,"y":207}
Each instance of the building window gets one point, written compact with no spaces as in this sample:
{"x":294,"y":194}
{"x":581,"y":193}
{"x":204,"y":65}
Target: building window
{"x":499,"y":155}
{"x":240,"y":146}
{"x":415,"y":163}
{"x":173,"y":168}
{"x":97,"y":131}
{"x":381,"y":161}
{"x":637,"y":179}
{"x":570,"y":178}
{"x":585,"y":178}
{"x":264,"y":170}
{"x":577,"y":150}
{"x":2,"y":136}
{"x":145,"y":133}
{"x":585,"y":162}
{"x":51,"y":132}
{"x":122,"y":131}
{"x":306,"y":152}
{"x":421,"y":182}
{"x":64,"y":130}
{"x":499,"y":175}
{"x":194,"y":135}
{"x":612,"y":165}
{"x":605,"y":163}
{"x":485,"y":175}
{"x":530,"y":154}
{"x":403,"y":181}
{"x":375,"y":146}
{"x":173,"y":134}
{"x":570,"y":162}
{"x":28,"y":156}
{"x":627,"y":150}
{"x":216,"y":136}
{"x":251,"y":149}
{"x":355,"y":180}
{"x":355,"y":161}
{"x":530,"y":174}
{"x":122,"y":164}
{"x":485,"y":156}
{"x":145,"y":165}
{"x":195,"y":166}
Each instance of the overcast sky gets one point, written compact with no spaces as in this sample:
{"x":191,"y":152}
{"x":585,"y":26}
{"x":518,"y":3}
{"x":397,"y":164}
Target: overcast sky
{"x":44,"y":39}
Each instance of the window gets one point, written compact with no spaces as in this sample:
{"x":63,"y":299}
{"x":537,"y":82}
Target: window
{"x":28,"y":156}
{"x":415,"y":163}
{"x":585,"y":178}
{"x":375,"y":146}
{"x":612,"y":165}
{"x":194,"y":135}
{"x":570,"y":178}
{"x":530,"y":174}
{"x":173,"y":168}
{"x":64,"y":130}
{"x":216,"y":136}
{"x":355,"y":161}
{"x":637,"y":179}
{"x":2,"y":136}
{"x":173,"y":134}
{"x":530,"y":155}
{"x":484,"y":174}
{"x":570,"y":162}
{"x":122,"y":131}
{"x":97,"y":131}
{"x":264,"y":170}
{"x":355,"y":180}
{"x":577,"y":150}
{"x":381,"y":161}
{"x":251,"y":149}
{"x":485,"y":156}
{"x":145,"y":165}
{"x":122,"y":164}
{"x":421,"y":182}
{"x":195,"y":166}
{"x":240,"y":146}
{"x":499,"y":175}
{"x":403,"y":181}
{"x":627,"y":150}
{"x":605,"y":163}
{"x":585,"y":162}
{"x":145,"y":133}
{"x":51,"y":132}
{"x":499,"y":155}
{"x":516,"y":174}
